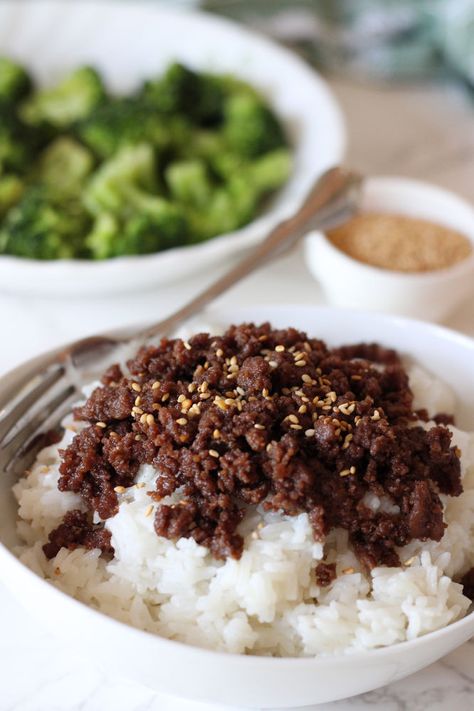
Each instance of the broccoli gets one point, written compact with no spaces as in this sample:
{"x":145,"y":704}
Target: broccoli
{"x":11,"y":190}
{"x":15,"y":82}
{"x":268,"y":172}
{"x":140,"y":234}
{"x":250,"y":128}
{"x":42,"y":227}
{"x":15,"y":143}
{"x":181,"y":90}
{"x":122,"y":122}
{"x":188,"y":182}
{"x":71,"y":100}
{"x":103,"y":237}
{"x":123,"y":183}
{"x":64,"y":165}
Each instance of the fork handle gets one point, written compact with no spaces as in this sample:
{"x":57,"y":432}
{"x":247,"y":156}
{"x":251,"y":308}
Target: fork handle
{"x":332,"y":200}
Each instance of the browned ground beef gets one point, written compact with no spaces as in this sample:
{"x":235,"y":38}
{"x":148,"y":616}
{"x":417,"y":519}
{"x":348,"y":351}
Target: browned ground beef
{"x":264,"y":416}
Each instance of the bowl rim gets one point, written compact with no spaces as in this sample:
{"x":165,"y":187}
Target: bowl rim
{"x":392,"y":182}
{"x":263,"y":220}
{"x":12,"y":561}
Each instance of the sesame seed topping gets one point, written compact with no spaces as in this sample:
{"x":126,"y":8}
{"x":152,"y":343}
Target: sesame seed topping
{"x":273,"y":364}
{"x":300,"y":363}
{"x":137,"y":387}
{"x":143,"y":419}
{"x":214,"y":453}
{"x":156,"y":385}
{"x":279,"y":349}
{"x":137,"y":411}
{"x":150,"y":420}
{"x":140,"y":485}
{"x":165,"y":397}
{"x":149,"y":510}
{"x":192,"y":387}
{"x":187,"y":345}
{"x":216,"y":434}
{"x":345,"y":472}
{"x":181,"y":421}
{"x":296,"y":427}
{"x":376,"y":416}
{"x":119,"y":489}
{"x":307,"y":379}
{"x":137,"y":401}
{"x":259,"y":427}
{"x":410,"y":560}
{"x":181,"y":398}
{"x":293,"y":418}
{"x":102,"y":425}
{"x":219,"y":353}
{"x":302,"y":409}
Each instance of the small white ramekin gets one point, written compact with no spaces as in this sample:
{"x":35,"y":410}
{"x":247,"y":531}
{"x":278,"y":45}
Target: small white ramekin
{"x":427,"y":295}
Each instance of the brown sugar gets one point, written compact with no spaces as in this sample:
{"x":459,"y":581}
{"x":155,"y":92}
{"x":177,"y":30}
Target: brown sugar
{"x":400,"y":243}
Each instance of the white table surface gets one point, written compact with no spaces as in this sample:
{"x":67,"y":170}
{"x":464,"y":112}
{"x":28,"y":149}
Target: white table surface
{"x":423,"y":132}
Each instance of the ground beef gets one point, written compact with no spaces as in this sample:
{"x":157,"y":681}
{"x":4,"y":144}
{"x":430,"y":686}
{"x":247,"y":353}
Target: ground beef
{"x":325,"y":573}
{"x":77,"y":530}
{"x":270,"y":417}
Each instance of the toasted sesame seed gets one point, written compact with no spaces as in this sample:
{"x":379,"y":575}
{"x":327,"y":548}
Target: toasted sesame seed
{"x":143,"y":418}
{"x":186,"y":404}
{"x":348,"y":571}
{"x":205,"y":396}
{"x":214,"y":453}
{"x":293,"y":418}
{"x":240,"y":391}
{"x":279,"y":349}
{"x":204,"y":387}
{"x":194,"y":410}
{"x":273,"y":364}
{"x":296,"y":427}
{"x":220,"y":403}
{"x":137,"y":411}
{"x":101,"y":424}
{"x":268,"y":447}
{"x":352,"y":470}
{"x":156,"y":406}
{"x":345,"y":472}
{"x":410,"y":560}
{"x":234,"y":368}
{"x":302,"y":409}
{"x":307,"y":379}
{"x":332,"y":396}
{"x":309,"y":433}
{"x":375,"y":416}
{"x":192,"y":387}
{"x":137,"y":401}
{"x":138,"y":438}
{"x":165,"y":397}
{"x":300,"y":363}
{"x":181,"y":398}
{"x":137,"y":387}
{"x":326,"y":407}
{"x":119,"y":489}
{"x":150,"y":420}
{"x":216,"y":434}
{"x":219,"y":353}
{"x":181,"y":421}
{"x":259,"y":427}
{"x":148,"y":510}
{"x":156,"y":385}
{"x":140,"y":485}
{"x":187,"y":345}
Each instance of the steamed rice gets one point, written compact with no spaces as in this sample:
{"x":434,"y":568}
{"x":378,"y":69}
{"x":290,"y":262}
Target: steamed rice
{"x":268,"y":601}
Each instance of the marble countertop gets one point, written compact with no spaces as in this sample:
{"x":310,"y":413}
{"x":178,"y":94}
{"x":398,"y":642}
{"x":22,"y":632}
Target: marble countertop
{"x":423,"y":132}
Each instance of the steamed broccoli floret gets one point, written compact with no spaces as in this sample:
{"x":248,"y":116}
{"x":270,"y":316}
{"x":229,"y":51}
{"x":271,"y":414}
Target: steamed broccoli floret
{"x":124,"y":182}
{"x":268,"y":172}
{"x":15,"y":82}
{"x":124,"y":122}
{"x":188,"y":182}
{"x":140,"y":234}
{"x":181,"y":90}
{"x":71,"y":100}
{"x":250,"y":128}
{"x":41,"y":227}
{"x":15,"y":148}
{"x":11,"y":190}
{"x":101,"y":240}
{"x":64,"y":165}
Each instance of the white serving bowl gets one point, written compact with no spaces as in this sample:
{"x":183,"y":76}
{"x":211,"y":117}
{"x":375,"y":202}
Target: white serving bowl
{"x":429,"y":295}
{"x":128,"y":42}
{"x":261,"y":682}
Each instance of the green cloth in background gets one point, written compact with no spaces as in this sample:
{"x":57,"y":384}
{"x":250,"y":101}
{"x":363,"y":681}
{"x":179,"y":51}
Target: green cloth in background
{"x":375,"y":39}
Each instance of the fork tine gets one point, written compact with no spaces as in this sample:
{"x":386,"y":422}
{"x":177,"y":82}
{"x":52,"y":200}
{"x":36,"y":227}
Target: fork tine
{"x":13,"y":410}
{"x":13,"y":449}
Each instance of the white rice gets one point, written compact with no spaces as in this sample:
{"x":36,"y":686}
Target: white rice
{"x":267,"y":602}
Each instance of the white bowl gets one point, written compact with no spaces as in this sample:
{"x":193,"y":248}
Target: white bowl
{"x":262,"y":682}
{"x":429,"y":295}
{"x":128,"y":42}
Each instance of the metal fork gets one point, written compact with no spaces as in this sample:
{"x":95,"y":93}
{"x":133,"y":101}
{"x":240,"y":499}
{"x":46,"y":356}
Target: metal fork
{"x":41,"y":392}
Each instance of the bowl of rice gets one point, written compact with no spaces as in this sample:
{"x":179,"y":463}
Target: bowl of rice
{"x":334,"y":553}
